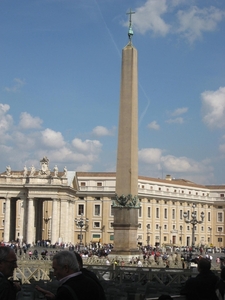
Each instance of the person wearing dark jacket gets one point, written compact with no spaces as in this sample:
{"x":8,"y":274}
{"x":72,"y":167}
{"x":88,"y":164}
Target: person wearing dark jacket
{"x":8,"y":262}
{"x":73,"y":284}
{"x":203,"y":286}
{"x":89,"y":274}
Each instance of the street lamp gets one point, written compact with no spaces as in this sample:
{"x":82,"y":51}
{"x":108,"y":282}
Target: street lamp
{"x":148,"y":237}
{"x":193,"y":222}
{"x":46,"y":220}
{"x":210,"y":236}
{"x":81,"y":222}
{"x":160,"y":227}
{"x":181,"y":228}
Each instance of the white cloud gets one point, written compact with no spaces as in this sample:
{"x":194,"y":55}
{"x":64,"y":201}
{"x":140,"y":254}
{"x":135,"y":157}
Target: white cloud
{"x":149,"y":17}
{"x":87,"y":145}
{"x":153,"y":125}
{"x":150,"y":155}
{"x":6,"y":121}
{"x":179,"y":111}
{"x":101,"y":131}
{"x":180,"y":164}
{"x":52,"y":139}
{"x":18,"y":84}
{"x":28,"y":122}
{"x":179,"y":120}
{"x":195,"y":21}
{"x":213,"y":107}
{"x":190,"y":23}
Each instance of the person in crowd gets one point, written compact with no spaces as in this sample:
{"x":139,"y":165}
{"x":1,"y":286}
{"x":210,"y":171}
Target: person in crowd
{"x":90,"y":274}
{"x":8,"y":262}
{"x":73,"y":284}
{"x":220,"y":287}
{"x":203,"y":286}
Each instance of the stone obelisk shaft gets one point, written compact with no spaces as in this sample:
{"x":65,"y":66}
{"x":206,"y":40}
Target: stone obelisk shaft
{"x":126,"y":218}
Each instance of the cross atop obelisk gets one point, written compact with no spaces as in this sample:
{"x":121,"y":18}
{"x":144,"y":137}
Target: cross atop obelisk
{"x":130,"y":31}
{"x":126,"y":202}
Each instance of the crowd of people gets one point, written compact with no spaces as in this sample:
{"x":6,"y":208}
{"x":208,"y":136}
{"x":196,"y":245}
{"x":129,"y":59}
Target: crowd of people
{"x":74,"y":279}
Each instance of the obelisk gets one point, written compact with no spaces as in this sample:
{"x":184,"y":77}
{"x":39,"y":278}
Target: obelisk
{"x":126,"y":202}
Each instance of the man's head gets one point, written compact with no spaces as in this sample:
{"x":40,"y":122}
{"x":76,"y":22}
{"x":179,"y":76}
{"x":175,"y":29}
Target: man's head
{"x":8,"y":261}
{"x":64,"y":264}
{"x":204,"y":265}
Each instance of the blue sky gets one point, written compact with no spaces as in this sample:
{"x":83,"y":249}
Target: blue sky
{"x":60,"y":69}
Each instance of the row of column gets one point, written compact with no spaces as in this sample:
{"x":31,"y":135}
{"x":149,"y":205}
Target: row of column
{"x":31,"y":220}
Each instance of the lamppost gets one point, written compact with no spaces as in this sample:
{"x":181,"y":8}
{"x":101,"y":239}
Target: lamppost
{"x":210,"y":236}
{"x":160,"y":227}
{"x":220,"y":238}
{"x":81,"y":222}
{"x":46,"y":220}
{"x":148,"y":237}
{"x":181,"y":228}
{"x":193,"y":222}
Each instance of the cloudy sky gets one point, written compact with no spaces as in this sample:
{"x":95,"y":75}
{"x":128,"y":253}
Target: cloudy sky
{"x":60,"y":68}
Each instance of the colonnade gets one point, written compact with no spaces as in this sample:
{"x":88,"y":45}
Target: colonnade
{"x":30,"y":223}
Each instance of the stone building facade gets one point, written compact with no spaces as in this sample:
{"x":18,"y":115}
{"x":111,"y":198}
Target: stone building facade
{"x":44,"y":204}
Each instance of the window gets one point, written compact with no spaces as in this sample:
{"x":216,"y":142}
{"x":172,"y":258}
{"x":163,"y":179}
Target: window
{"x":220,"y":217}
{"x":221,"y":195}
{"x":188,"y":214}
{"x":3,"y":208}
{"x":157,"y":212}
{"x":209,"y":216}
{"x":188,"y":227}
{"x":99,"y":183}
{"x":181,"y":214}
{"x":139,"y":225}
{"x":165,"y":226}
{"x":96,"y":224}
{"x":149,"y":212}
{"x":111,"y":211}
{"x":165,"y":213}
{"x":174,"y":227}
{"x":111,"y":224}
{"x":142,"y":186}
{"x":97,"y":209}
{"x":220,"y":239}
{"x":140,"y":212}
{"x":173,"y":213}
{"x":159,"y":188}
{"x":219,"y":229}
{"x":202,"y":228}
{"x":83,"y":183}
{"x":80,"y":237}
{"x":164,"y":238}
{"x":80,"y":209}
{"x":157,"y":226}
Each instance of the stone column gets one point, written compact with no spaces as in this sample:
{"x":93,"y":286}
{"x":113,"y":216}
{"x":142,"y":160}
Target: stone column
{"x":7,"y":220}
{"x":30,"y":222}
{"x":55,"y":222}
{"x":22,"y":218}
{"x":64,"y":220}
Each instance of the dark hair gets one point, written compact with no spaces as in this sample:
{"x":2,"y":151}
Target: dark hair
{"x":4,"y":252}
{"x":204,"y":265}
{"x":79,"y":259}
